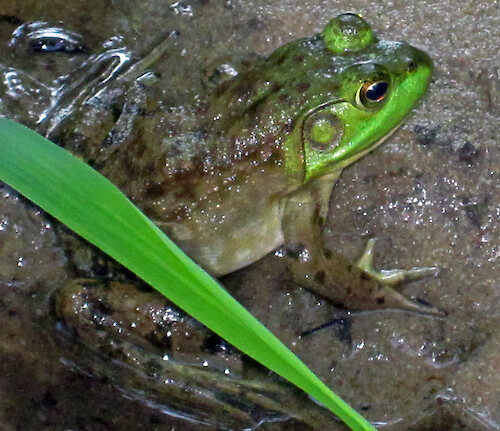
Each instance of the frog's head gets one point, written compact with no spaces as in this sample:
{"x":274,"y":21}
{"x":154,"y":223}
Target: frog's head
{"x":365,"y":88}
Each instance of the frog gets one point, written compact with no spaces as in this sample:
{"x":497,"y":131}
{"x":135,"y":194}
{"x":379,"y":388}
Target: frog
{"x":248,"y":168}
{"x":252,"y":166}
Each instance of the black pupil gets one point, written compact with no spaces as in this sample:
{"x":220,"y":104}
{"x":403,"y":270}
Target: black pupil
{"x":377,"y":91}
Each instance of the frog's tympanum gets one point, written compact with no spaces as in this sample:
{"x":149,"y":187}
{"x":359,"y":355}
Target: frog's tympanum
{"x":249,"y":167}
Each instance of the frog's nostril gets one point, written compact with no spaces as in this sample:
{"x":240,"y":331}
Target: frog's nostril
{"x":412,"y":66}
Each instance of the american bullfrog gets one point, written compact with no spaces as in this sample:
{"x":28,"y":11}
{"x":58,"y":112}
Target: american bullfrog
{"x":252,"y":165}
{"x":247,"y":168}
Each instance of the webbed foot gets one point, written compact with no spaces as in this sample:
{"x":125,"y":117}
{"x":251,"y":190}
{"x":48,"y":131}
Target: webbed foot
{"x":395,"y":277}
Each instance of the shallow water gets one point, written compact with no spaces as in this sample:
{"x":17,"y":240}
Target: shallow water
{"x":431,"y":195}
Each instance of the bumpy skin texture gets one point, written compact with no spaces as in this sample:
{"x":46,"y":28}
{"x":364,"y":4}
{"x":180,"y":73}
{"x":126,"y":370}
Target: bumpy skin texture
{"x":216,"y":178}
{"x":248,"y":167}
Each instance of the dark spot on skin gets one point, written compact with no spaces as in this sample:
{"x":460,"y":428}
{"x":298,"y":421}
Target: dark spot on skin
{"x":317,"y":211}
{"x":281,"y":59}
{"x":49,"y":400}
{"x":254,"y":111}
{"x":380,"y":301}
{"x":426,"y":136}
{"x":214,"y":344}
{"x":303,"y":86}
{"x":160,"y":339}
{"x":102,"y":308}
{"x":294,"y":249}
{"x":442,"y":401}
{"x":276,"y":87}
{"x":328,"y":253}
{"x":320,"y":277}
{"x":268,"y":141}
{"x":285,"y":98}
{"x":468,"y":154}
{"x":246,"y":89}
{"x":11,"y":19}
{"x":154,"y":191}
{"x":364,"y":276}
{"x":99,"y":268}
{"x":104,"y":380}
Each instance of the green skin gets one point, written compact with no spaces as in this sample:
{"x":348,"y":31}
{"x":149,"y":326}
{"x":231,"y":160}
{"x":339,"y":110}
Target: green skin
{"x":249,"y":168}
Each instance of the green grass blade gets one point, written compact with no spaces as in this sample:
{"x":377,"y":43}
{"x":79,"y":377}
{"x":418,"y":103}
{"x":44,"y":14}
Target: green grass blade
{"x":94,"y":208}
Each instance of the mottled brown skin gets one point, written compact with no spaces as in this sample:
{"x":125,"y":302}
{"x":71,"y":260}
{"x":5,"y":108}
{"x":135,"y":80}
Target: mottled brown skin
{"x":167,"y":359}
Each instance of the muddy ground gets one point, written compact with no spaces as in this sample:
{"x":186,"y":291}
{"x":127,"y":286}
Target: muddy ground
{"x":431,"y":195}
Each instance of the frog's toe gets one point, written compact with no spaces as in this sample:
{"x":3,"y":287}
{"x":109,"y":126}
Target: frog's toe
{"x":393,"y":277}
{"x":365,"y":262}
{"x":390,"y":298}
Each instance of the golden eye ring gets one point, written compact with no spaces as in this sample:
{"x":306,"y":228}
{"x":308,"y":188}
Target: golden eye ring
{"x":373,"y":93}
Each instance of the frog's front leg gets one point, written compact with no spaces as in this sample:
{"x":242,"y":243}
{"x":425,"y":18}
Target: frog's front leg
{"x":330,"y":274}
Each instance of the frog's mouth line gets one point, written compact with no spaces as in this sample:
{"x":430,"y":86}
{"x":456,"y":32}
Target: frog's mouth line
{"x":385,"y":137}
{"x":376,"y":144}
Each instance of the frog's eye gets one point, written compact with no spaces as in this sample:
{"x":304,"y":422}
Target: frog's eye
{"x":322,"y":131}
{"x":373,"y":93}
